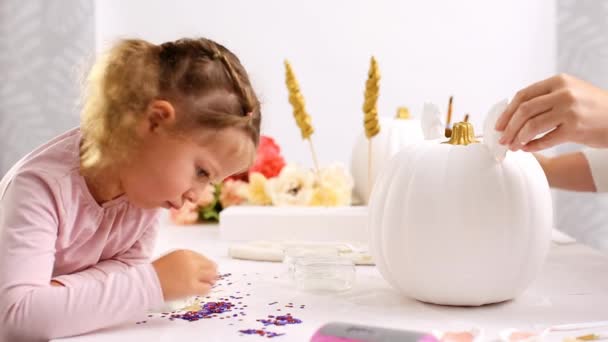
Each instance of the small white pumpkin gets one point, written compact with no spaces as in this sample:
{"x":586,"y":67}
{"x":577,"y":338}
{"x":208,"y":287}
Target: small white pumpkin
{"x":394,"y":134}
{"x":452,"y":224}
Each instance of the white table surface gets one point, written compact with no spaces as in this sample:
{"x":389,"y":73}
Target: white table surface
{"x":573,"y":287}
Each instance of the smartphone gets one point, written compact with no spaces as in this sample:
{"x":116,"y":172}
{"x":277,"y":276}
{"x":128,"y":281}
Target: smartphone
{"x":347,"y":332}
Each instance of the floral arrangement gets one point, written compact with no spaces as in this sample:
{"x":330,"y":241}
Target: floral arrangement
{"x":270,"y":182}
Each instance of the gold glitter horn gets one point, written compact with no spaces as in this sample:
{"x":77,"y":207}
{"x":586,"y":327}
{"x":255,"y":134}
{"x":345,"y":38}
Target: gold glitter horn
{"x":370,"y":110}
{"x":303,"y":120}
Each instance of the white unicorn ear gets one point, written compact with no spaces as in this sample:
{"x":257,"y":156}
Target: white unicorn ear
{"x":491,"y":135}
{"x":432,"y":127}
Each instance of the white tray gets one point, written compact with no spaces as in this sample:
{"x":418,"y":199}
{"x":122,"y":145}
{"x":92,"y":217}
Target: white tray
{"x":242,"y":223}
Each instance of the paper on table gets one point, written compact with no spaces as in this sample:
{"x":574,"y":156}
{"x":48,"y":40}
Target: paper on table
{"x":269,"y":252}
{"x":274,"y":250}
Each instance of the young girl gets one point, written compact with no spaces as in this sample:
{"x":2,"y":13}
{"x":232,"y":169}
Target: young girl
{"x":571,"y":110}
{"x":78,"y":215}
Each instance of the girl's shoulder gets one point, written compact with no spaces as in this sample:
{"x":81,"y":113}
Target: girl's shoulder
{"x":50,"y":163}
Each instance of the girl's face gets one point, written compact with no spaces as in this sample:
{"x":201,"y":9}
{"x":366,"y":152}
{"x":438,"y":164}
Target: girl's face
{"x":166,"y":171}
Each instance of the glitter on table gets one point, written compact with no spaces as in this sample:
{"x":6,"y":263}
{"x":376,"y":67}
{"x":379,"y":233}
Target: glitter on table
{"x":280,"y":320}
{"x":260,"y":332}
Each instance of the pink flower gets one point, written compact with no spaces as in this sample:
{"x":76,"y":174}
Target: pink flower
{"x":234,"y":192}
{"x":269,"y":161}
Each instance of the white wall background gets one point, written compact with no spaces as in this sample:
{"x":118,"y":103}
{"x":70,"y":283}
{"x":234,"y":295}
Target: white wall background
{"x":480,"y":51}
{"x":582,"y":28}
{"x":44,"y":46}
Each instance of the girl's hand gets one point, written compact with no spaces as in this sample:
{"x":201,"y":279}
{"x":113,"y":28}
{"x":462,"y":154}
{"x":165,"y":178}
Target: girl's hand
{"x":571,"y":110}
{"x":184,"y":273}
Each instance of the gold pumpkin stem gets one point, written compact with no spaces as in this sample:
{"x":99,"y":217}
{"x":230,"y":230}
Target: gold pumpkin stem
{"x":403,"y":113}
{"x":462,"y":134}
{"x":466,"y":118}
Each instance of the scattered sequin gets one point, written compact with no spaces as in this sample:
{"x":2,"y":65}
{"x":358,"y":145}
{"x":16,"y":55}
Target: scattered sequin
{"x":261,"y":332}
{"x":280,"y":320}
{"x":214,"y":306}
{"x":206,"y":310}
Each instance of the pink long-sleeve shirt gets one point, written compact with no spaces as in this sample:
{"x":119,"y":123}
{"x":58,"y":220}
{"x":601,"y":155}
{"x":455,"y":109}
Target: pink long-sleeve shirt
{"x":51,"y":228}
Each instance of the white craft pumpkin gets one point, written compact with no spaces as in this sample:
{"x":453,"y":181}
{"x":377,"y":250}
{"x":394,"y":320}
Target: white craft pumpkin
{"x":451,"y":224}
{"x":394,"y":134}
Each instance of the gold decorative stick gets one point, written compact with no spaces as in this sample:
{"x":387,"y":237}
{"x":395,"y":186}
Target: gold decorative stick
{"x":303,"y":120}
{"x":403,"y":113}
{"x":370,"y":109}
{"x":448,"y":121}
{"x":589,"y":337}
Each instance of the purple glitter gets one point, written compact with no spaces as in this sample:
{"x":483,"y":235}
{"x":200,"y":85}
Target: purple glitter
{"x":280,"y":320}
{"x":208,"y":310}
{"x":224,"y":308}
{"x":260,"y":332}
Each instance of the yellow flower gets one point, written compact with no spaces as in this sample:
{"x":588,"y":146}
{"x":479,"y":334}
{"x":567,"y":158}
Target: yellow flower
{"x":257,"y":190}
{"x":325,"y":196}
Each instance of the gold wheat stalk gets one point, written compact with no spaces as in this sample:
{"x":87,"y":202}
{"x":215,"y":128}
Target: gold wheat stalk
{"x":370,"y":109}
{"x":303,"y":120}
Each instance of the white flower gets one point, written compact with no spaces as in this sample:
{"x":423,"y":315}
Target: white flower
{"x":432,"y":127}
{"x":333,"y":186}
{"x":336,"y":175}
{"x":293,"y":186}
